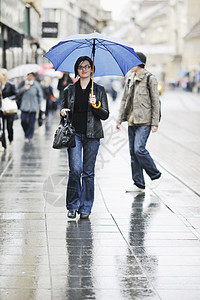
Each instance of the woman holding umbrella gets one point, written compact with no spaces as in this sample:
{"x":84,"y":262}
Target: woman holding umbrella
{"x":86,"y":118}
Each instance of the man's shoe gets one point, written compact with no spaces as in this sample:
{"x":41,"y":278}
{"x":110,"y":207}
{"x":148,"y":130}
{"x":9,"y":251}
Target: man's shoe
{"x":84,"y":216}
{"x":134,"y":189}
{"x":155,"y":183}
{"x":71,"y":214}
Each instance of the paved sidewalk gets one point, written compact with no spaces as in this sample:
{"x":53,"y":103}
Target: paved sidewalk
{"x":134,"y":246}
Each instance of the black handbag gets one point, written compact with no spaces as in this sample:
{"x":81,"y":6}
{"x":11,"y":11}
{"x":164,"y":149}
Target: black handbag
{"x":65,"y":135}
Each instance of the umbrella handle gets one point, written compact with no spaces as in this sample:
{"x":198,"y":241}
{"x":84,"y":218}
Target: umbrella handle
{"x":92,"y":88}
{"x":97,"y":106}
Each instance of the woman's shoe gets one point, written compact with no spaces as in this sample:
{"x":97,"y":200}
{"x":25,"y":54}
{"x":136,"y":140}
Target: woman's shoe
{"x":71,"y":214}
{"x":84,"y":216}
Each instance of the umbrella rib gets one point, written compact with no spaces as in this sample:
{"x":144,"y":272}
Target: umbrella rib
{"x":83,"y":45}
{"x":79,"y":46}
{"x":112,"y":56}
{"x":102,"y":45}
{"x":111,"y":43}
{"x":96,"y":46}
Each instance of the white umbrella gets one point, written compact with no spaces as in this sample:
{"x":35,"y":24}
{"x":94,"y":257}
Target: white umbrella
{"x":52,"y":73}
{"x":23,"y":70}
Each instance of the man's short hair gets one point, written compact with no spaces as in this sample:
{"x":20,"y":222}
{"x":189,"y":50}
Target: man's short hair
{"x":32,"y":73}
{"x":143,"y":59}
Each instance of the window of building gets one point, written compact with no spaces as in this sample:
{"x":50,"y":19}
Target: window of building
{"x":51,"y":15}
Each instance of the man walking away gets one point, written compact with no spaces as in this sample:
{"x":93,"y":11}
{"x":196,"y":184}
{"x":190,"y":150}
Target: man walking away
{"x":140,"y":107}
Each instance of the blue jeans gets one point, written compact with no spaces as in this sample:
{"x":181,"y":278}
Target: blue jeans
{"x":28,"y":123}
{"x":140,"y":157}
{"x":80,"y":187}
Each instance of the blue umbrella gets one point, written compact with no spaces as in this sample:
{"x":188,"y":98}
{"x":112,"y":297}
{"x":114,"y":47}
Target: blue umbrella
{"x":112,"y":56}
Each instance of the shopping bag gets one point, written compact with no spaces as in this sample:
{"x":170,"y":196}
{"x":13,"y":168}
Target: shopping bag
{"x":9,"y":106}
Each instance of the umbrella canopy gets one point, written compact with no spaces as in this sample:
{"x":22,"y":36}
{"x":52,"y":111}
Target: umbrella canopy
{"x":112,"y":56}
{"x":23,"y":70}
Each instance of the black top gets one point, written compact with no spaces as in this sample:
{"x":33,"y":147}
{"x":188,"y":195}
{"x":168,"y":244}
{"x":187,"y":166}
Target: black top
{"x":9,"y":90}
{"x":81,"y":107}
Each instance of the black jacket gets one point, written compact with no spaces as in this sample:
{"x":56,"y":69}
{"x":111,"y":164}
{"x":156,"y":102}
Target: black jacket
{"x":94,"y":116}
{"x":9,"y":90}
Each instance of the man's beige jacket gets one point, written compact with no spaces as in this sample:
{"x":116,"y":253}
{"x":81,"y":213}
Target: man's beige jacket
{"x":137,"y":107}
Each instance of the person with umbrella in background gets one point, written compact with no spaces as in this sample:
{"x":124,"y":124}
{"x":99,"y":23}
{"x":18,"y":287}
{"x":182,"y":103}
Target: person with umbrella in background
{"x":140,"y":107}
{"x":8,"y":90}
{"x":31,"y":95}
{"x":86,"y":117}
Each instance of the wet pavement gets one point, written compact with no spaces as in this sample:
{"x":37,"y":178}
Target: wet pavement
{"x":134,"y":246}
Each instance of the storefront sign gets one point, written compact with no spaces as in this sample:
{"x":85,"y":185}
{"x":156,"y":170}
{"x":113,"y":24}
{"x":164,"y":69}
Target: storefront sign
{"x":49,"y":30}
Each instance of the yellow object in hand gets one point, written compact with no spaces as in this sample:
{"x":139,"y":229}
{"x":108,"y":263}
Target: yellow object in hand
{"x":99,"y":105}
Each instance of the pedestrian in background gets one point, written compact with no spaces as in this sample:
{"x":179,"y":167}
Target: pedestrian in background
{"x":88,"y":131}
{"x":8,"y":89}
{"x":48,"y":95}
{"x":141,"y":109}
{"x":31,"y":95}
{"x":63,"y":82}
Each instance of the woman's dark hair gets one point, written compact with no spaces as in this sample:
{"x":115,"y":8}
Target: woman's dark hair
{"x":79,"y":60}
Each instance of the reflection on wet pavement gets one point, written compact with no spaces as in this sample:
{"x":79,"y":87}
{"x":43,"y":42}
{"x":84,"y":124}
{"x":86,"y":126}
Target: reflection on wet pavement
{"x":134,"y":246}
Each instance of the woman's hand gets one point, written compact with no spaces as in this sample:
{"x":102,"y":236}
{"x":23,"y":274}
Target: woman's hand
{"x":64,"y":111}
{"x":92,"y":99}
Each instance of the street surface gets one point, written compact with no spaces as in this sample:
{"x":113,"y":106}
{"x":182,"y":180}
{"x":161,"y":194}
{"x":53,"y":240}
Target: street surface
{"x":135,"y":246}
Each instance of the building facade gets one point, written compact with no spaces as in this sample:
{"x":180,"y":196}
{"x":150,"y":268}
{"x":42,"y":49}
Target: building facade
{"x":170,"y":31}
{"x":20,"y":29}
{"x":167,"y":31}
{"x":62,"y":18}
{"x":29,"y":28}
